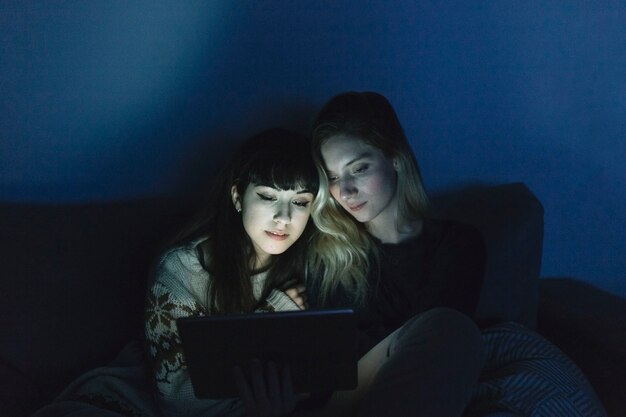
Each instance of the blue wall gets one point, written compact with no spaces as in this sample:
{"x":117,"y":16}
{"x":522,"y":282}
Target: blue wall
{"x":113,"y":99}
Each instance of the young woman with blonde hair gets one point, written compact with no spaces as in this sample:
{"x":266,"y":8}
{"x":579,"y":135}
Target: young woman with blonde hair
{"x":422,"y":353}
{"x":414,"y":281}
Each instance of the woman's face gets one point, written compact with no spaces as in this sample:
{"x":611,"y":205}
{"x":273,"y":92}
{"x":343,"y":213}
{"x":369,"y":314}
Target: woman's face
{"x":362,"y":179}
{"x":274,"y":219}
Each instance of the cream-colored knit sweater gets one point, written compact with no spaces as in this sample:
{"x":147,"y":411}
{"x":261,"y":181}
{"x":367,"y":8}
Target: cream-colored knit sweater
{"x":180,"y":290}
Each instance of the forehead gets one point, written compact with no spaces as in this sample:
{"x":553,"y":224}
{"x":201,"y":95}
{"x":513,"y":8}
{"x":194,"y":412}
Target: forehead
{"x":341,"y":150}
{"x":299,"y":189}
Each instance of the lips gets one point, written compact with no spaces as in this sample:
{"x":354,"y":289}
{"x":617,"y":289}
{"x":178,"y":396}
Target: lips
{"x":356,"y":207}
{"x":276,"y":235}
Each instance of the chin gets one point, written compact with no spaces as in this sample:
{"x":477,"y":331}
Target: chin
{"x":277,"y":251}
{"x":362,"y":217}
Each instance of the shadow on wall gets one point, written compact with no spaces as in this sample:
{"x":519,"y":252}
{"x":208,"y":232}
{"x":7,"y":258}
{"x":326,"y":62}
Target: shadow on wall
{"x":205,"y":156}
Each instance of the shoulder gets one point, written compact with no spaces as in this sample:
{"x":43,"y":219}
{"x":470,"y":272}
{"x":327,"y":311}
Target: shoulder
{"x":451,"y":230}
{"x":447,"y":238}
{"x":182,"y":258}
{"x":180,"y":274}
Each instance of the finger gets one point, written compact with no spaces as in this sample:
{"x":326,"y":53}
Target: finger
{"x":258,"y":382}
{"x":244,"y":391}
{"x":299,"y":302}
{"x":304,"y":301}
{"x":258,"y":388}
{"x":295,"y":291}
{"x":291,"y":292}
{"x":286,"y":381}
{"x":289,"y":398}
{"x":273,"y":385}
{"x":296,"y":298}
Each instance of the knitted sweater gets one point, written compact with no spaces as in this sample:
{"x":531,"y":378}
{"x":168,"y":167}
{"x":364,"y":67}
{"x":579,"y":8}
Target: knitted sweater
{"x":180,"y":289}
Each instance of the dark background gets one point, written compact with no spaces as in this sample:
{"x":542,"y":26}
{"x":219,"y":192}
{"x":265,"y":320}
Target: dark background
{"x":114,"y":100}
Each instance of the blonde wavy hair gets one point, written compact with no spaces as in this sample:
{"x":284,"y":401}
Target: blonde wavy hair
{"x":345,"y":250}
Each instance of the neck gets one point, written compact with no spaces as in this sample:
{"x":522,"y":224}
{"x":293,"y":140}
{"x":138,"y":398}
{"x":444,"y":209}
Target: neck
{"x":260,"y":263}
{"x":395,"y":232}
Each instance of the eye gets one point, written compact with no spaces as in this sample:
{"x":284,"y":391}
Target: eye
{"x":333,"y":178}
{"x":301,"y":203}
{"x":266,"y":197}
{"x":361,"y":168}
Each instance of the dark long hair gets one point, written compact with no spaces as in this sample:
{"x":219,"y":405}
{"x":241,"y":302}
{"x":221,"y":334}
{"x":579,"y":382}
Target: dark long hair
{"x":277,"y":158}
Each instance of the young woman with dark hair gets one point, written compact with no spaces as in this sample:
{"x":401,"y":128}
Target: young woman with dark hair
{"x":245,"y":252}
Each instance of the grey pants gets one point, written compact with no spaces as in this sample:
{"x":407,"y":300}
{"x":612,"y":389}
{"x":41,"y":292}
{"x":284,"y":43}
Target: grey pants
{"x":432,"y":368}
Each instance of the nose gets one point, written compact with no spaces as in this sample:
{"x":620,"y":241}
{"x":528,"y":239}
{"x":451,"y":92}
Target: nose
{"x":283,"y":213}
{"x":347,"y":189}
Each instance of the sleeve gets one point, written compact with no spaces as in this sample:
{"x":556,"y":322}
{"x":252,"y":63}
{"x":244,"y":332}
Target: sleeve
{"x":277,"y":301}
{"x":458,"y":268}
{"x":168,"y":299}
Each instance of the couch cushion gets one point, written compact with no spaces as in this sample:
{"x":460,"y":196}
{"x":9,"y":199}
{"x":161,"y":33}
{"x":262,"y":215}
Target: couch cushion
{"x":589,"y":325}
{"x":73,"y":282}
{"x":510,"y":218}
{"x":18,"y":394}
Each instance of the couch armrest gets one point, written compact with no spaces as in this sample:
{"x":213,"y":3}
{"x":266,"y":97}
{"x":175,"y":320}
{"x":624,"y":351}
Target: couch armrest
{"x":589,"y":325}
{"x":510,"y":218}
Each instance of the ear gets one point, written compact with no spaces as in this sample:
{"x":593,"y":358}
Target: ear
{"x":396,"y":164}
{"x":236,"y":198}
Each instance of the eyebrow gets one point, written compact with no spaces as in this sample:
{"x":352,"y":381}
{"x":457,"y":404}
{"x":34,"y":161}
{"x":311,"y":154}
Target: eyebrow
{"x":362,"y":155}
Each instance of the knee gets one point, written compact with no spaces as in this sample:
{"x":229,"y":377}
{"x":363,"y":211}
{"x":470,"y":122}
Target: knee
{"x":452,"y":320}
{"x":443,"y":326}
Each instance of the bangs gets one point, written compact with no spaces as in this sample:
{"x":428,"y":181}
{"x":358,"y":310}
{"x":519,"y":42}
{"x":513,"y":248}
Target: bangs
{"x":277,"y":158}
{"x":284,"y":175}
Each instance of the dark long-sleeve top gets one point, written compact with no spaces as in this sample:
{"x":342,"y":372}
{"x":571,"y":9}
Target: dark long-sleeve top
{"x":441,"y":267}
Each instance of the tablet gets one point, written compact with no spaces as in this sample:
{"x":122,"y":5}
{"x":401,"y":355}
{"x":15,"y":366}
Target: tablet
{"x":319,"y":347}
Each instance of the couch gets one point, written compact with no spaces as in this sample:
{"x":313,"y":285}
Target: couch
{"x":74,"y":277}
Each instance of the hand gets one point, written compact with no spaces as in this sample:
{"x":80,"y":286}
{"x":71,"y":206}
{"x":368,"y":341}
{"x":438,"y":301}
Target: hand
{"x":270,"y":393}
{"x":297,"y":293}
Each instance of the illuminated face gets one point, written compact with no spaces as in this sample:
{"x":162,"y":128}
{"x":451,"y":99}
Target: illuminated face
{"x":274,"y":219}
{"x":362,"y":179}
